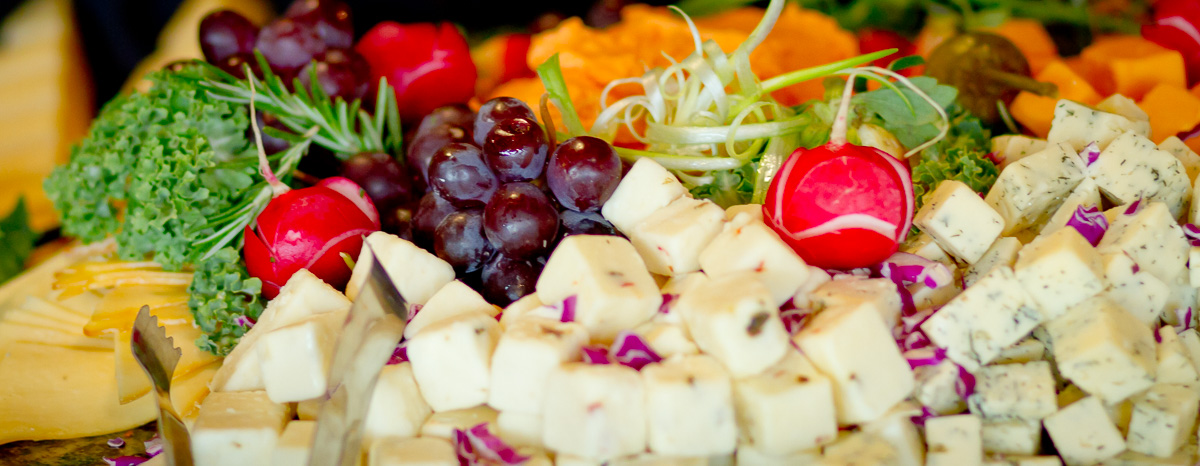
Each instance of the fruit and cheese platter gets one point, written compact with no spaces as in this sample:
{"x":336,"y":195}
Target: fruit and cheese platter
{"x":807,"y":232}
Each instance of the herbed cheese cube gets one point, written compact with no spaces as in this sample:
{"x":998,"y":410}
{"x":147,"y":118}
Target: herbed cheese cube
{"x":1128,"y":108}
{"x":1162,"y":419}
{"x":1104,"y":350}
{"x":1025,"y":461}
{"x":1059,"y":271}
{"x":816,"y":278}
{"x":1181,"y":297}
{"x":1083,"y":434}
{"x":1028,"y":191}
{"x":1086,"y":194}
{"x":526,"y":354}
{"x":646,"y":188}
{"x":667,"y":339}
{"x":1190,"y":339}
{"x":925,"y":297}
{"x":856,"y":350}
{"x":295,"y":444}
{"x":924,"y":245}
{"x":456,"y":298}
{"x":897,"y":429}
{"x":1193,"y":215}
{"x":1137,"y":291}
{"x":879,"y":293}
{"x":237,"y":428}
{"x":397,"y":408}
{"x":442,"y":425}
{"x":295,"y":359}
{"x":954,"y":440}
{"x":979,"y":323}
{"x":417,"y":273}
{"x":670,"y":240}
{"x":751,"y":246}
{"x":1002,"y":253}
{"x":1174,"y":363}
{"x":451,"y":361}
{"x":1151,"y":238}
{"x":1133,"y":168}
{"x":1027,"y":350}
{"x":1078,"y":125}
{"x":859,"y":448}
{"x":689,"y":407}
{"x":417,"y":451}
{"x":753,"y":210}
{"x":766,"y":406}
{"x":1014,"y":392}
{"x":961,"y":223}
{"x":595,"y":411}
{"x":520,"y":429}
{"x":1010,"y":148}
{"x":733,"y":319}
{"x":1191,"y":162}
{"x":1185,"y":456}
{"x":1119,"y":413}
{"x":613,"y":289}
{"x":1012,"y":437}
{"x":935,"y":388}
{"x":750,"y":455}
{"x":1194,"y":267}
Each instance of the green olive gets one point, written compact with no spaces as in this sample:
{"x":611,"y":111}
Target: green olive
{"x":987,"y":69}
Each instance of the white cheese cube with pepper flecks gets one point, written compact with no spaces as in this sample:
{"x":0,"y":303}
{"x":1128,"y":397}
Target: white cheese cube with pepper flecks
{"x":1104,"y":350}
{"x":1078,"y":125}
{"x":1118,"y":413}
{"x":1015,"y":437}
{"x":856,"y":350}
{"x":520,"y":429}
{"x":416,"y":451}
{"x":595,"y":411}
{"x":417,"y":273}
{"x":954,"y":440}
{"x":734,"y":319}
{"x":1185,"y":456}
{"x":518,"y":309}
{"x":980,"y":322}
{"x":1133,"y":168}
{"x":961,"y":223}
{"x":678,"y":284}
{"x":1014,"y":392}
{"x":646,"y":188}
{"x":667,"y":339}
{"x":926,"y":297}
{"x":451,"y":361}
{"x":1027,"y":350}
{"x":746,"y":245}
{"x":237,"y":428}
{"x":1135,"y":290}
{"x":898,"y":430}
{"x":456,"y":298}
{"x":766,"y":405}
{"x":1002,"y":253}
{"x":397,"y":407}
{"x":879,"y":293}
{"x":1190,"y":339}
{"x":755,"y":211}
{"x":1191,"y":162}
{"x":1194,"y":266}
{"x":671,"y":239}
{"x":442,"y":425}
{"x":525,"y":355}
{"x":613,"y":289}
{"x":689,"y":407}
{"x":295,"y":358}
{"x":751,"y":455}
{"x":1027,"y":192}
{"x":1010,"y":148}
{"x":1083,"y":434}
{"x":1048,"y":460}
{"x":923,"y":245}
{"x":1193,"y":214}
{"x":1162,"y":419}
{"x":859,"y":448}
{"x":1174,"y":363}
{"x":1181,"y":297}
{"x":1086,"y":194}
{"x":817,"y":277}
{"x":1152,"y":238}
{"x":1128,"y":108}
{"x":936,"y":388}
{"x":1059,"y":271}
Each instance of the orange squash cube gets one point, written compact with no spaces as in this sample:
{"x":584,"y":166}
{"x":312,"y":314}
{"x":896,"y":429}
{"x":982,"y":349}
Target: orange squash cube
{"x":1172,"y":110}
{"x":1132,"y":66}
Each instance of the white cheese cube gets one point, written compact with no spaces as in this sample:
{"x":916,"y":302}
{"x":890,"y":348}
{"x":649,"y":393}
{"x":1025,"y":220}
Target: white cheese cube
{"x":1152,"y":239}
{"x":979,"y":323}
{"x":897,"y":429}
{"x":750,"y":455}
{"x":856,"y":350}
{"x":1083,"y":434}
{"x":1012,"y":437}
{"x":1181,"y":297}
{"x":924,"y":245}
{"x":520,"y":429}
{"x":1010,"y":148}
{"x":1028,"y":461}
{"x":1193,"y":215}
{"x":1190,"y":339}
{"x":1027,"y":350}
{"x":1059,"y":271}
{"x":456,"y":298}
{"x":679,"y":284}
{"x":442,"y":424}
{"x":1086,"y":194}
{"x":1185,"y":456}
{"x":1104,"y":350}
{"x":295,"y":444}
{"x":667,"y":339}
{"x":644,"y":189}
{"x":689,"y":407}
{"x":751,"y":246}
{"x":961,"y":223}
{"x":417,"y":451}
{"x":524,"y":357}
{"x":859,"y":448}
{"x":733,"y":319}
{"x":879,"y":293}
{"x":670,"y":239}
{"x":1194,"y":267}
{"x":451,"y":361}
{"x":237,"y":428}
{"x":1191,"y":162}
{"x":1137,"y":291}
{"x":766,"y":404}
{"x":1002,"y":253}
{"x":417,"y":273}
{"x":308,"y":410}
{"x":595,"y":411}
{"x":1174,"y":363}
{"x":954,"y":440}
{"x":613,"y":290}
{"x":1162,"y":419}
{"x":1133,"y":168}
{"x":753,"y":210}
{"x":295,"y":359}
{"x":935,"y":388}
{"x":925,"y":297}
{"x":1119,"y":413}
{"x":397,"y":408}
{"x":1128,"y":108}
{"x":1078,"y":125}
{"x":518,"y":309}
{"x":1014,"y":392}
{"x":1028,"y":191}
{"x":817,"y":277}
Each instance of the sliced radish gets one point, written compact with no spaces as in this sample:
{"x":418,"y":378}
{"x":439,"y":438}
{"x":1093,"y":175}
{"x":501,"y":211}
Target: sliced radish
{"x":355,"y":194}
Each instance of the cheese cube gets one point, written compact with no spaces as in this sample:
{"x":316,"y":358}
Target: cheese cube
{"x":1059,"y":271}
{"x":295,"y":359}
{"x":613,"y":290}
{"x":595,"y":411}
{"x":519,"y":309}
{"x":1191,"y":162}
{"x":1193,"y":215}
{"x":1027,"y":350}
{"x":1152,"y":239}
{"x":456,"y":298}
{"x":1083,"y":434}
{"x":1162,"y":419}
{"x":859,"y":448}
{"x":1028,"y":191}
{"x":1190,"y":339}
{"x":237,"y":428}
{"x":1027,"y":461}
{"x":442,"y":424}
{"x":1104,"y":350}
{"x":1133,"y":289}
{"x":856,"y":350}
{"x":817,"y":278}
{"x":451,"y":361}
{"x":646,"y":188}
{"x":1012,"y":437}
{"x":755,"y":211}
{"x":670,"y":240}
{"x":750,"y":455}
{"x":879,"y":293}
{"x":417,"y":273}
{"x":923,"y":245}
{"x":1078,"y":125}
{"x":417,"y":451}
{"x":733,"y":319}
{"x":1185,"y":456}
{"x":1119,"y":413}
{"x":520,"y":429}
{"x":1194,"y":267}
{"x":1174,"y":363}
{"x":1128,"y":108}
{"x":689,"y":407}
{"x":961,"y":223}
{"x":1181,"y":297}
{"x":925,"y":297}
{"x":1014,"y":392}
{"x":954,"y":440}
{"x":1086,"y":194}
{"x":1002,"y":253}
{"x":524,"y":357}
{"x":1010,"y":148}
{"x":897,"y":429}
{"x":308,"y":410}
{"x":679,"y":284}
{"x":935,"y":388}
{"x":667,"y":339}
{"x":979,"y":323}
{"x":1133,"y":168}
{"x":751,"y":246}
{"x":295,"y":445}
{"x":766,"y":403}
{"x":397,"y":408}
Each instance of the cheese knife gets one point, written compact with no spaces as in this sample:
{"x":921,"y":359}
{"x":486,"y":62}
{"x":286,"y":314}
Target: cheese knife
{"x":157,"y":354}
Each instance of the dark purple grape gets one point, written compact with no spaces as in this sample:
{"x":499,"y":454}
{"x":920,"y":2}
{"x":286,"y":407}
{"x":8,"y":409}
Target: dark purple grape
{"x":459,"y":240}
{"x":398,"y":222}
{"x":500,"y":108}
{"x":424,"y":146}
{"x":516,"y":149}
{"x":458,"y":115}
{"x":343,"y":73}
{"x":506,"y":279}
{"x":458,"y":173}
{"x":320,"y":162}
{"x":520,"y":221}
{"x":385,"y":180}
{"x":288,"y":46}
{"x":430,"y":212}
{"x":604,"y":13}
{"x":583,"y":173}
{"x":225,"y":33}
{"x":585,"y":223}
{"x":331,"y":20}
{"x":271,"y":144}
{"x":236,"y":65}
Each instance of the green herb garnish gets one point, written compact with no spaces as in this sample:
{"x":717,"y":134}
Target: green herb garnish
{"x":16,"y":241}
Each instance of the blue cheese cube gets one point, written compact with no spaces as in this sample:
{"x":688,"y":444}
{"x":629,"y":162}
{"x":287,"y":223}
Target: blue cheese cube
{"x":442,"y":424}
{"x":525,"y":355}
{"x":1191,"y":162}
{"x":766,"y":405}
{"x":961,"y":223}
{"x":520,"y":429}
{"x":1014,"y":392}
{"x":1027,"y":192}
{"x":954,"y":440}
{"x":595,"y":411}
{"x":924,"y":245}
{"x":295,"y":358}
{"x":879,"y":293}
{"x":853,"y":347}
{"x":689,"y":407}
{"x":1059,"y":271}
{"x":897,"y":429}
{"x":1104,"y":350}
{"x":237,"y":428}
{"x":295,"y":444}
{"x":734,"y":320}
{"x":397,"y":408}
{"x":417,"y":273}
{"x":979,"y":323}
{"x":926,"y":297}
{"x":1137,"y":291}
{"x":1119,"y":413}
{"x":1083,"y":434}
{"x":1150,"y":237}
{"x":1162,"y":419}
{"x":1120,"y":105}
{"x":746,"y":245}
{"x":1078,"y":125}
{"x":646,"y":188}
{"x":1174,"y":363}
{"x":456,"y":298}
{"x":418,"y":451}
{"x":1002,"y":253}
{"x":670,"y":240}
{"x":1028,"y":350}
{"x":936,"y":388}
{"x":859,"y":448}
{"x":1010,"y":148}
{"x":1086,"y":194}
{"x":1012,"y":437}
{"x":1133,"y":168}
{"x":451,"y":361}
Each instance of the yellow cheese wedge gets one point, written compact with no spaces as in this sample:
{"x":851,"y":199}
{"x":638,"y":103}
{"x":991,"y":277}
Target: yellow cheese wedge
{"x":83,"y":304}
{"x":120,"y":306}
{"x":23,"y":316}
{"x":13,"y":332}
{"x":189,"y":391}
{"x":132,"y":381}
{"x":52,"y":310}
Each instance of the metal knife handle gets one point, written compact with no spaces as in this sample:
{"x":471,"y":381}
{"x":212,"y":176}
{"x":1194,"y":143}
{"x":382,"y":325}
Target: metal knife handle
{"x":177,"y":443}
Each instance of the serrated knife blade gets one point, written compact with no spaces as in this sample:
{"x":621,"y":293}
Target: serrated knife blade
{"x":158,"y":356}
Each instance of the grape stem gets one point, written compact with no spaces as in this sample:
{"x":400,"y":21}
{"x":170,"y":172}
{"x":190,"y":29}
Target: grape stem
{"x":264,"y":167}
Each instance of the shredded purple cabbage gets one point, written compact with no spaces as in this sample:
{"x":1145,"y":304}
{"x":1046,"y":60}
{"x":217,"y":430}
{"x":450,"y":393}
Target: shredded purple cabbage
{"x":243,"y":321}
{"x":568,"y":309}
{"x":630,"y":350}
{"x":1090,"y":222}
{"x":116,"y":442}
{"x":1090,"y":153}
{"x":668,"y":298}
{"x":412,"y":311}
{"x":1134,"y":207}
{"x":1185,"y":318}
{"x":478,"y":446}
{"x":125,"y":460}
{"x":794,"y":319}
{"x":154,"y":446}
{"x":965,"y":385}
{"x":928,"y":356}
{"x":400,"y":354}
{"x":905,"y":269}
{"x":595,"y":354}
{"x":1193,"y":233}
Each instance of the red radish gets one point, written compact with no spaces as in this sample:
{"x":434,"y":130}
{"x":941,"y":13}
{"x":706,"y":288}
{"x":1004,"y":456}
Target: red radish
{"x":874,"y":40}
{"x":428,"y":65}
